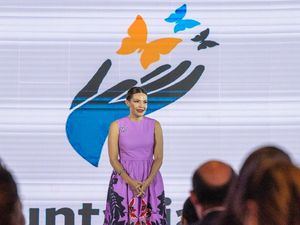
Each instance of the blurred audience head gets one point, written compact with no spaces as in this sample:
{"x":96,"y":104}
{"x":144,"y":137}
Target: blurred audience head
{"x":211,"y":182}
{"x":189,"y":215}
{"x":257,"y":161}
{"x":261,"y":156}
{"x":10,"y":205}
{"x":272,"y":196}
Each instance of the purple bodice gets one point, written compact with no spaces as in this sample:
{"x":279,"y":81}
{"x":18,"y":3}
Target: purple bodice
{"x":136,"y":139}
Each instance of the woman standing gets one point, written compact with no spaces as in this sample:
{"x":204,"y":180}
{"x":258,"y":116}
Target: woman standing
{"x":135,"y":144}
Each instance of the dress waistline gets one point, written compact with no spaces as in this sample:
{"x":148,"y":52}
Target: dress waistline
{"x":134,"y":159}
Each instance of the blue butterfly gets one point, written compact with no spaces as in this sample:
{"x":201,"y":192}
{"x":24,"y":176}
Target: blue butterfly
{"x":181,"y":24}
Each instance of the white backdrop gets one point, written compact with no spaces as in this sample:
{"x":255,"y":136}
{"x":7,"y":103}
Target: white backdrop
{"x":247,"y":96}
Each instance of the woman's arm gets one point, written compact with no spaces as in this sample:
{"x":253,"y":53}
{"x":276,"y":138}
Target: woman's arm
{"x":158,"y":156}
{"x":113,"y":151}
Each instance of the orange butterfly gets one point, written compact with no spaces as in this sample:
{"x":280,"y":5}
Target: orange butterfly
{"x":137,"y":40}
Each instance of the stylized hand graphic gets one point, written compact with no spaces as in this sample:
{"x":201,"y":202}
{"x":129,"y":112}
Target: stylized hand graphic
{"x":88,"y":124}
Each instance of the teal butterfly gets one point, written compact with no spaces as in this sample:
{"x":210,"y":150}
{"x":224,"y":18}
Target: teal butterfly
{"x":181,"y":24}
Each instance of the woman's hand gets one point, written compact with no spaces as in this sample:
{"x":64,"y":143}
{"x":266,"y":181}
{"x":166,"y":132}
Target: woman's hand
{"x":135,"y":186}
{"x":144,"y":187}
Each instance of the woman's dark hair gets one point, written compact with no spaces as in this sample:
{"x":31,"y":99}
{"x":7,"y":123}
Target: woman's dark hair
{"x":189,"y":212}
{"x":8,"y":196}
{"x":236,"y":199}
{"x":276,"y":191}
{"x":134,"y":90}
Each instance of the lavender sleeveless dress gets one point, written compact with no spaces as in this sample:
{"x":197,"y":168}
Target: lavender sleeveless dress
{"x":136,"y":145}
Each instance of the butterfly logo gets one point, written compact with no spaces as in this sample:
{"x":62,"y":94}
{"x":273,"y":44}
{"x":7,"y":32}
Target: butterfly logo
{"x":201,"y":38}
{"x":181,"y":24}
{"x":137,"y":41}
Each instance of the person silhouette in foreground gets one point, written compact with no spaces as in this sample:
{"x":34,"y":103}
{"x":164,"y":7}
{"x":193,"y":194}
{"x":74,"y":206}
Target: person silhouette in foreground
{"x":262,"y":194}
{"x":272,"y":196}
{"x":10,"y":204}
{"x":188,"y":213}
{"x":211,"y":183}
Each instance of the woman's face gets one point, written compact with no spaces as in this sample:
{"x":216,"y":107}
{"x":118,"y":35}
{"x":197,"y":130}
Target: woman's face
{"x":137,"y":104}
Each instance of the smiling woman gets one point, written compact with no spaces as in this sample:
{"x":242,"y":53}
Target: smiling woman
{"x":136,"y":100}
{"x":135,"y":144}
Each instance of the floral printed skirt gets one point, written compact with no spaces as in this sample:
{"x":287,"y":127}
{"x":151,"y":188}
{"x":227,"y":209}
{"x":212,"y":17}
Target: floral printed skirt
{"x":123,"y":208}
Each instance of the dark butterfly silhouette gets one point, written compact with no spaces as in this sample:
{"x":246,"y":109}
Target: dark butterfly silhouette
{"x":204,"y":43}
